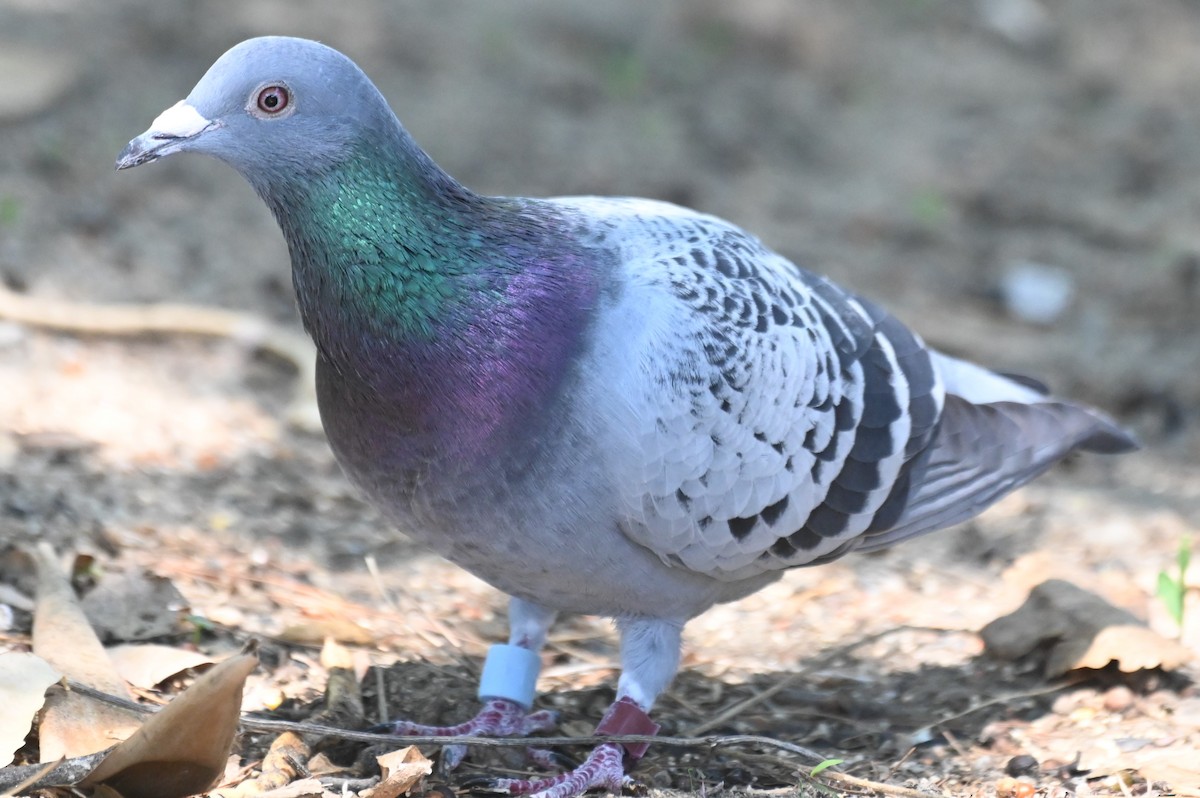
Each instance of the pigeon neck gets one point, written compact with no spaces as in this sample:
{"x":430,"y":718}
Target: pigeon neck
{"x":381,"y":241}
{"x":459,"y":312}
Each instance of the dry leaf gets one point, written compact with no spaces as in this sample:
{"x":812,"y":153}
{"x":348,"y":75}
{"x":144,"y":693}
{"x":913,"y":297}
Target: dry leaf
{"x":74,"y":725}
{"x":137,"y":606}
{"x":1179,"y":769}
{"x":287,"y":754}
{"x":62,"y":635}
{"x":304,"y":788}
{"x":181,"y":750}
{"x":148,"y":665}
{"x":402,"y":771}
{"x":321,"y":765}
{"x":23,"y":681}
{"x":1133,"y":648}
{"x":318,"y":630}
{"x":1081,"y":630}
{"x":335,"y":655}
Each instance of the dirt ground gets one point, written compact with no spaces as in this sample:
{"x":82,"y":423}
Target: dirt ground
{"x":918,"y":151}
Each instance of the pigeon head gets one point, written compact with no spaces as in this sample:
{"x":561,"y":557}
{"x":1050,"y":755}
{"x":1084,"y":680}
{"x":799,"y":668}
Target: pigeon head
{"x":271,"y":107}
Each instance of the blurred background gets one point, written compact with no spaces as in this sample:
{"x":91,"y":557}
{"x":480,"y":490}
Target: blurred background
{"x":933,"y":154}
{"x":1019,"y":180}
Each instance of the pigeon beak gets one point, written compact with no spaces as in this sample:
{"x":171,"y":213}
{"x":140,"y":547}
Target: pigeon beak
{"x":167,"y":134}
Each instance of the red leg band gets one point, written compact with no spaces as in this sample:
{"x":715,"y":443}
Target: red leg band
{"x":626,"y":717}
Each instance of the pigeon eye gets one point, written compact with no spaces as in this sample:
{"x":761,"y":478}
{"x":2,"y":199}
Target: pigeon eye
{"x":273,"y":100}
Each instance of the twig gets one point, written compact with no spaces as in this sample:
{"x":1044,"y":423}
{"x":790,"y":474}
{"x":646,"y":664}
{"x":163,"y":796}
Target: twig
{"x":835,"y":776}
{"x":710,"y":742}
{"x":380,"y":694}
{"x":448,"y":635}
{"x":87,"y":318}
{"x":311,"y":594}
{"x":64,"y":771}
{"x":820,"y":662}
{"x":1005,"y":699}
{"x":846,"y":780}
{"x":752,"y":701}
{"x":256,"y":724}
{"x":92,"y":319}
{"x":264,"y":725}
{"x":896,"y":765}
{"x":36,"y":772}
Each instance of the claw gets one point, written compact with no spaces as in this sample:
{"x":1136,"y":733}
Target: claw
{"x":452,"y":757}
{"x":602,"y":768}
{"x":497,"y":718}
{"x":487,"y":785}
{"x":542,"y":720}
{"x":550,"y":759}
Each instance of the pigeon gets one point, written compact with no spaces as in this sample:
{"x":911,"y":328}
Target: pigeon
{"x":610,"y":406}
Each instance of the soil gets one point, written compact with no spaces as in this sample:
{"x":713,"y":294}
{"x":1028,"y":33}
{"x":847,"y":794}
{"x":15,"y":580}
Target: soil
{"x":917,"y":151}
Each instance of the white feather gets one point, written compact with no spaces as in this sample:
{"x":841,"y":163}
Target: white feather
{"x":979,"y":385}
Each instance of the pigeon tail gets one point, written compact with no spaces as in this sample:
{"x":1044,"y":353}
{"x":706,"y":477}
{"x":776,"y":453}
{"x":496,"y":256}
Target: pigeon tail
{"x":1096,"y":432}
{"x":983,"y":451}
{"x":1108,"y":437}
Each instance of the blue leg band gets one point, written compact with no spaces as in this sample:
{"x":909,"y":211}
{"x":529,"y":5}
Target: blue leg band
{"x":510,"y":672}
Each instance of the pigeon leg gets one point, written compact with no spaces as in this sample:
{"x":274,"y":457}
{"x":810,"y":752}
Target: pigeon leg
{"x":649,"y":659}
{"x":506,"y":688}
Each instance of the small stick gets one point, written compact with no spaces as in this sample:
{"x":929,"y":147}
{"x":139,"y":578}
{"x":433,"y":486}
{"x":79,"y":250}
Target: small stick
{"x":820,"y":662}
{"x":712,"y":742}
{"x":128,"y":319}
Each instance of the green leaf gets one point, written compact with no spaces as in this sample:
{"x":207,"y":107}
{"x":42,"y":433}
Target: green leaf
{"x":1170,"y":593}
{"x":822,"y":766}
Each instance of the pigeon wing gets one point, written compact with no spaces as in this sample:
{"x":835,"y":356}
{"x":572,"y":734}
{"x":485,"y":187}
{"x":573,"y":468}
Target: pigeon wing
{"x":771,"y":419}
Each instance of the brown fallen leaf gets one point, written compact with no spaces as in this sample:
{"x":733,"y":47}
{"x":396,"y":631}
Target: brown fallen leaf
{"x":1179,"y":769}
{"x":321,"y":765}
{"x":1081,"y":630}
{"x":24,"y":678}
{"x":73,"y":725}
{"x":148,"y":665}
{"x":61,"y":633}
{"x":181,"y":750}
{"x":335,"y":655}
{"x":285,"y":760}
{"x":134,"y":606}
{"x":304,"y":788}
{"x":318,"y":630}
{"x":289,"y":754}
{"x":402,"y":770}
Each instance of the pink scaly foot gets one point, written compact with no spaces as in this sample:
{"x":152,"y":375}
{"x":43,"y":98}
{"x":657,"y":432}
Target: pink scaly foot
{"x":499,"y":717}
{"x":603,"y":768}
